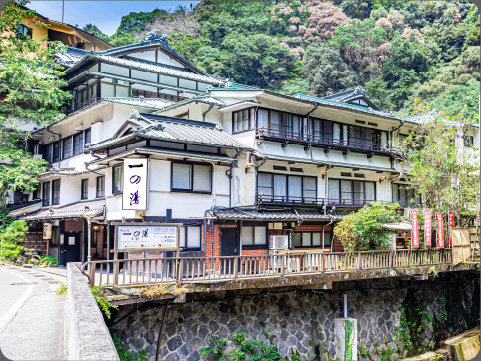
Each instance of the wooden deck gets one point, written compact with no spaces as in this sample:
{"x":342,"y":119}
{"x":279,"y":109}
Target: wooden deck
{"x":192,"y":270}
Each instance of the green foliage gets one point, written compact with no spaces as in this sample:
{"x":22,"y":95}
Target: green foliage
{"x":49,"y":261}
{"x":100,"y":296}
{"x":61,"y":290}
{"x":9,"y":248}
{"x":123,"y":355}
{"x":241,"y":348}
{"x":93,"y":29}
{"x":31,"y":95}
{"x":142,"y":355}
{"x":362,"y":230}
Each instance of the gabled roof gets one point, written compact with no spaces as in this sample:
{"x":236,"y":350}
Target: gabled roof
{"x":171,"y":129}
{"x":349,"y":96}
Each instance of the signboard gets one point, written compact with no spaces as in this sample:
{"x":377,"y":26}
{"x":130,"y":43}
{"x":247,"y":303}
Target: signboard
{"x":439,"y":230}
{"x":428,"y":226}
{"x":145,"y":236}
{"x":414,"y":229}
{"x":71,"y":241}
{"x":134,"y":195}
{"x":47,"y":231}
{"x":451,"y":226}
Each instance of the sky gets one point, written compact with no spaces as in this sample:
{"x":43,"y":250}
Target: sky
{"x":105,"y":14}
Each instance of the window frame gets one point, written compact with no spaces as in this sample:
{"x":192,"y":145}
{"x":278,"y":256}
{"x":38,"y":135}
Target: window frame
{"x":186,"y":248}
{"x":45,"y":194}
{"x":302,"y":201}
{"x":114,"y":190}
{"x":83,"y":194}
{"x":21,"y":33}
{"x":252,"y":123}
{"x":55,"y":197}
{"x":254,"y":246}
{"x":79,"y":138}
{"x":353,"y":201}
{"x":99,"y":193}
{"x":311,"y":239}
{"x":192,"y":176}
{"x":89,"y":132}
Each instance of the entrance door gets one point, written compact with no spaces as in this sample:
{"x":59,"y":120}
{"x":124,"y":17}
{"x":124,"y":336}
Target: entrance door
{"x":229,"y":246}
{"x":71,"y":247}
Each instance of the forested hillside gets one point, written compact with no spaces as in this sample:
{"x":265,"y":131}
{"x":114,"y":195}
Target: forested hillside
{"x":399,"y":51}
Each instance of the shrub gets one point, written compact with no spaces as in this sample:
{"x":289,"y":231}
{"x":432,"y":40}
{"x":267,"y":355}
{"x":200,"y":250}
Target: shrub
{"x":9,"y":248}
{"x":49,"y":261}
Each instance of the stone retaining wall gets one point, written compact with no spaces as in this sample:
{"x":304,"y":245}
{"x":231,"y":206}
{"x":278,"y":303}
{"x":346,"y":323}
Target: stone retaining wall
{"x":304,"y":319}
{"x":87,"y":336}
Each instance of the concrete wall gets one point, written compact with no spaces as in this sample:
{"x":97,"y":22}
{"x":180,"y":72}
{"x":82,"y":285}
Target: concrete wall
{"x":439,"y":308}
{"x":87,"y":337}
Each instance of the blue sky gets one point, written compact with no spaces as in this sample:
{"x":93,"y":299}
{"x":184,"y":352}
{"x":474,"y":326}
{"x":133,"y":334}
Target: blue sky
{"x":105,"y":14}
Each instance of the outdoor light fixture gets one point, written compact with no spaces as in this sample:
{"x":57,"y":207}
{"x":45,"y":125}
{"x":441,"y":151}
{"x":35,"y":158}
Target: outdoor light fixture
{"x":79,"y":127}
{"x":382,"y":179}
{"x":248,"y":166}
{"x":51,"y":139}
{"x":324,"y":173}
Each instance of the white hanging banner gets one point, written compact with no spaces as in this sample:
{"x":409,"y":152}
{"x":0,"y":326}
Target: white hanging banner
{"x":47,"y":231}
{"x":134,"y":195}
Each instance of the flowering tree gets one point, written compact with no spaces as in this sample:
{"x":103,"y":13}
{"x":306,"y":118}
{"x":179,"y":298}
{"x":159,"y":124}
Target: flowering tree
{"x":443,"y":165}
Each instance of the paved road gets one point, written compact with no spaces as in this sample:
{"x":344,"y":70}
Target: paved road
{"x":32,"y":316}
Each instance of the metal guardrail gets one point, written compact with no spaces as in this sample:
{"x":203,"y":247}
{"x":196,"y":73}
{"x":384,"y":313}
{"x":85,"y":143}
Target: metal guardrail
{"x":82,"y":106}
{"x":200,"y":269}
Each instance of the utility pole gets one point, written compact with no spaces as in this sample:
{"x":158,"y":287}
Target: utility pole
{"x":63,"y":7}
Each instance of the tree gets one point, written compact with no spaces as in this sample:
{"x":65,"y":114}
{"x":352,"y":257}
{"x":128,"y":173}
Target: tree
{"x":327,"y":71}
{"x":30,"y":96}
{"x":93,"y":29}
{"x":443,"y":170}
{"x":363,"y":230}
{"x":9,"y":248}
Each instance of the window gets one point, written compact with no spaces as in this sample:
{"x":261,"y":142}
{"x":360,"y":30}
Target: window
{"x":56,"y":192}
{"x":469,"y":141}
{"x":253,"y":235}
{"x":190,"y":237}
{"x":36,"y":192}
{"x":323,"y":131}
{"x":100,"y":186}
{"x":404,"y":196}
{"x":117,"y":179}
{"x":311,"y":239}
{"x":24,"y":32}
{"x":286,"y":188}
{"x":187,"y":177}
{"x":78,"y":145}
{"x":285,"y":124}
{"x":243,"y":120}
{"x":67,"y":148}
{"x":351,"y":192}
{"x":87,"y":138}
{"x":48,"y":153}
{"x":85,"y":189}
{"x":55,"y":152}
{"x":45,"y":194}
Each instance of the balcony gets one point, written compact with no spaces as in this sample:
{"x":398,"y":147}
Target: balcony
{"x":328,"y":143}
{"x":289,"y":201}
{"x":82,"y":106}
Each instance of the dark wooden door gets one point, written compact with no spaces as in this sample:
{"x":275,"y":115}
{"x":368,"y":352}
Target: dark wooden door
{"x":229,"y":246}
{"x":71,"y":251}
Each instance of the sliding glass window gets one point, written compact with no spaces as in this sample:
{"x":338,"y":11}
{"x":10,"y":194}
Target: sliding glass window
{"x":351,"y":192}
{"x":280,"y":188}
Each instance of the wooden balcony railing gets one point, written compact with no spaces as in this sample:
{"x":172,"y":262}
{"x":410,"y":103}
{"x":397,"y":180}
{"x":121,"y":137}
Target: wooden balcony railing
{"x":290,"y":200}
{"x":200,"y":269}
{"x":82,"y":106}
{"x":301,"y":138}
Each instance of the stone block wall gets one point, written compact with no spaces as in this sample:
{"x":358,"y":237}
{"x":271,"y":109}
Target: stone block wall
{"x":304,"y":319}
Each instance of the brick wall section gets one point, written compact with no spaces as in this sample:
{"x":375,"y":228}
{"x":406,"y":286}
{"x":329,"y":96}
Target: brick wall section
{"x":73,"y":226}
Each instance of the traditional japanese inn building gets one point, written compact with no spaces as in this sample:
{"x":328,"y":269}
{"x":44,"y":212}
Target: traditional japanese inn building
{"x":246,"y":171}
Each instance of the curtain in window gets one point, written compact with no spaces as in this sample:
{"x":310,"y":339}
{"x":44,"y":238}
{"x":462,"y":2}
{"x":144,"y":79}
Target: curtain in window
{"x":295,"y":189}
{"x":296,"y":239}
{"x":309,"y":191}
{"x":336,"y":133}
{"x":264,"y":186}
{"x":367,"y":137}
{"x":263,"y":118}
{"x":280,"y":187}
{"x":275,"y":121}
{"x":181,"y":176}
{"x":306,"y":239}
{"x":333,"y":189}
{"x":395,"y":194}
{"x":327,"y":239}
{"x":383,"y":140}
{"x":346,"y":191}
{"x":370,"y":191}
{"x":316,"y":239}
{"x":296,"y":126}
{"x":316,"y":129}
{"x":247,"y":235}
{"x":358,"y":192}
{"x":182,"y":237}
{"x":193,"y":237}
{"x":260,"y":235}
{"x":202,"y":178}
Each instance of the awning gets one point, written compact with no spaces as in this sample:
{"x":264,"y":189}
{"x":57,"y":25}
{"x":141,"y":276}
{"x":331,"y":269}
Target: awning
{"x":22,"y":208}
{"x":240,"y":213}
{"x":397,"y":226}
{"x":69,"y":211}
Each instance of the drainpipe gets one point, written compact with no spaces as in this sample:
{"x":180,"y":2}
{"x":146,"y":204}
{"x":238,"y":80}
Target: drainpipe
{"x":229,"y":174}
{"x":323,"y":233}
{"x":160,"y":331}
{"x":87,"y":164}
{"x":308,"y":117}
{"x":264,"y":159}
{"x":211,"y":105}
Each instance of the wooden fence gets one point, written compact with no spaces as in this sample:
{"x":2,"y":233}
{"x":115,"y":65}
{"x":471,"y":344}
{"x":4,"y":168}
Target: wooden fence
{"x":199,"y":269}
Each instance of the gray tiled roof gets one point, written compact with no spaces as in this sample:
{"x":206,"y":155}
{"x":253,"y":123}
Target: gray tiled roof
{"x":270,"y":215}
{"x":73,"y":210}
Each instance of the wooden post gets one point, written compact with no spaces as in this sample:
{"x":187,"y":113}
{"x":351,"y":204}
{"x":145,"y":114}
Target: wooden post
{"x":236,"y":271}
{"x":181,"y":269}
{"x":323,"y":263}
{"x":283,"y":262}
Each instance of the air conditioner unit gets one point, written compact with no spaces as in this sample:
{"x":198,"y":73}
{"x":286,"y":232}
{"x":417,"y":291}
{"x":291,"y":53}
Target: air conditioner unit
{"x":37,"y":156}
{"x":278,"y":242}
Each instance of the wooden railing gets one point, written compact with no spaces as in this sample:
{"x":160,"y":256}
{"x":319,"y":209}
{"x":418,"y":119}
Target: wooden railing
{"x":200,"y":269}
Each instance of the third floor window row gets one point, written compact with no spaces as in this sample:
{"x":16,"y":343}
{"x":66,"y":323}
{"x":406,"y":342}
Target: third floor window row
{"x":294,"y":126}
{"x":67,"y":147}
